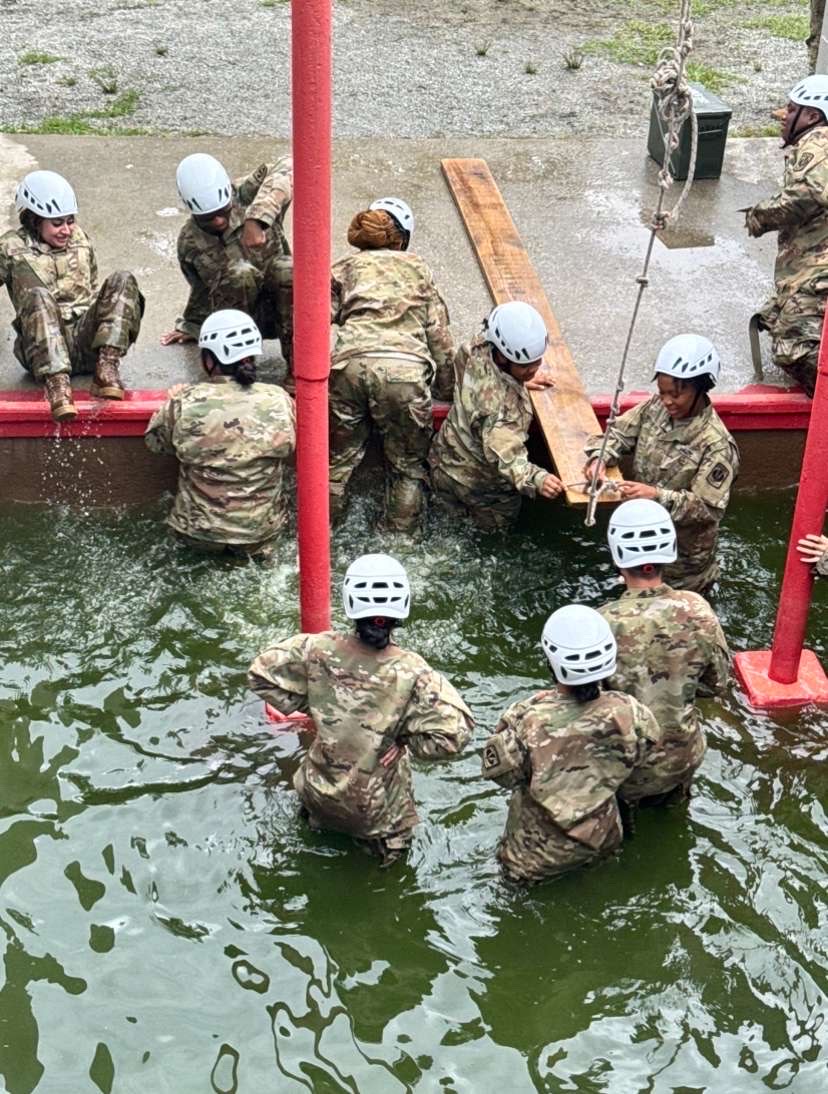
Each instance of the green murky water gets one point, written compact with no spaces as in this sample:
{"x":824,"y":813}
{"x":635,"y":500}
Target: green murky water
{"x":169,"y":924}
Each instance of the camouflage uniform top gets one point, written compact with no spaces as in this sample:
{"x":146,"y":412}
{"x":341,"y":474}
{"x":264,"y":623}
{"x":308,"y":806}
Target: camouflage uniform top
{"x":799,"y":212}
{"x":693,"y":463}
{"x":387,"y":301}
{"x":362,"y":701}
{"x":821,"y":565}
{"x":231,"y":442}
{"x":263,"y":195}
{"x":70,"y":275}
{"x":671,"y":649}
{"x":482,"y":442}
{"x":567,"y":760}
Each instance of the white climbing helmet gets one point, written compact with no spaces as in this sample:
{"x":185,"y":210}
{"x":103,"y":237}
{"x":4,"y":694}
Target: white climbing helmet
{"x":47,"y":194}
{"x":376,"y":585}
{"x":688,"y":355}
{"x":231,"y":335}
{"x":812,"y":91}
{"x":399,"y":210}
{"x":641,"y":531}
{"x":518,"y":331}
{"x":203,"y":184}
{"x":579,"y":645}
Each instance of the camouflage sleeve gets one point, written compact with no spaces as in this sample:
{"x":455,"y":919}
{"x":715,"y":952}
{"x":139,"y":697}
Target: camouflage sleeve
{"x":437,"y":723}
{"x":5,"y":265}
{"x":647,"y":730}
{"x":821,"y":565}
{"x":93,"y":270}
{"x":505,"y":760}
{"x":284,"y":436}
{"x":504,"y":447}
{"x":336,"y":299}
{"x":279,"y":675}
{"x":623,"y":435}
{"x":197,"y":307}
{"x":159,"y":433}
{"x":717,"y":672}
{"x":803,"y":197}
{"x":705,"y":501}
{"x":267,"y":192}
{"x":440,"y":346}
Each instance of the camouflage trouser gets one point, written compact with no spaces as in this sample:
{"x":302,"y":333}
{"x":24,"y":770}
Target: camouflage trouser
{"x":491,"y":510}
{"x":265,"y":292}
{"x":388,"y":848}
{"x":394,"y":396}
{"x":261,"y":551}
{"x":812,"y":41}
{"x":48,"y":344}
{"x":796,"y":328}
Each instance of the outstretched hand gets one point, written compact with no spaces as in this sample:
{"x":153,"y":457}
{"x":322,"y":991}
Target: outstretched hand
{"x":630,"y":490}
{"x":176,"y":338}
{"x":812,"y":547}
{"x":540,"y":382}
{"x":253,"y":234}
{"x":551,"y":487}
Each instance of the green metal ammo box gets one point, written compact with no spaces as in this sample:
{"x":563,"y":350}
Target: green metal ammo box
{"x":713,"y":119}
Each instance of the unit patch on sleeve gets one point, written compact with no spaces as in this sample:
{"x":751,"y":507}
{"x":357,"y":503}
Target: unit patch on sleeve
{"x":718,"y":473}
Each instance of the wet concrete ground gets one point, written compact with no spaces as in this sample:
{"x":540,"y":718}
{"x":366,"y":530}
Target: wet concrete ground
{"x":581,"y":208}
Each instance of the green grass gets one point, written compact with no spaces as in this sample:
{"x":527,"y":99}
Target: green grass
{"x":636,"y":43}
{"x":714,"y":79}
{"x":32,"y":57}
{"x":773,"y":129}
{"x":81,"y":124}
{"x":794,"y":27}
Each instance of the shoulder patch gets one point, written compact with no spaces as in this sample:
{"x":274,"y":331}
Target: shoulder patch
{"x":717,"y":474}
{"x":491,"y":757}
{"x":804,"y":160}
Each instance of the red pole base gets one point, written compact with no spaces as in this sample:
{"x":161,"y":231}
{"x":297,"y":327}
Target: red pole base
{"x":810,"y":686}
{"x":288,"y":723}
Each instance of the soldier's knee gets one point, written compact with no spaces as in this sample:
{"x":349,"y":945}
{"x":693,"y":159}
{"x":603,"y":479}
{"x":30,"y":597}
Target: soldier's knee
{"x":122,"y":280}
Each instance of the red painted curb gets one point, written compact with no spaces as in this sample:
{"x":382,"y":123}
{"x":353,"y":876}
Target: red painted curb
{"x":25,"y":413}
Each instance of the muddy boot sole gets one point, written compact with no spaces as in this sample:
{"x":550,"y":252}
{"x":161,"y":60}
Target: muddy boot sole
{"x":106,"y":392}
{"x":65,"y":413}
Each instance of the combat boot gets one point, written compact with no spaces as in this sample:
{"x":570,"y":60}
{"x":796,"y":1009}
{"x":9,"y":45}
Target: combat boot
{"x":59,"y":394}
{"x":107,"y":382}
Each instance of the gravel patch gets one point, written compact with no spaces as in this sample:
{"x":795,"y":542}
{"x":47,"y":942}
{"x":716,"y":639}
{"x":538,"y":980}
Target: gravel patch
{"x":426,"y":68}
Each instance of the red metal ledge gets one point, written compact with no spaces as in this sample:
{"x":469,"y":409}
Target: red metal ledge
{"x":25,"y":413}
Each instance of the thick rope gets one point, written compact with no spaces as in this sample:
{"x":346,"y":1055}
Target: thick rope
{"x":674,"y":105}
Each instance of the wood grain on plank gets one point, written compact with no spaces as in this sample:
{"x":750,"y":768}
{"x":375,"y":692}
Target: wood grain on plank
{"x":564,"y":413}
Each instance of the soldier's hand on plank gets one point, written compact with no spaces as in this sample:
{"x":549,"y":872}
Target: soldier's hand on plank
{"x":589,"y":469}
{"x":812,"y":547}
{"x":551,"y":487}
{"x":176,"y":337}
{"x":253,"y":234}
{"x":391,"y":755}
{"x":541,"y":380}
{"x":638,"y":490}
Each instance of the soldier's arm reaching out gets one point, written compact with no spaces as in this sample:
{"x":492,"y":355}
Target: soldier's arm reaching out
{"x":266,"y":193}
{"x":803,"y":197}
{"x":437,"y":723}
{"x":504,"y":447}
{"x":623,"y":437}
{"x":279,"y":675}
{"x":159,"y":432}
{"x":814,"y":550}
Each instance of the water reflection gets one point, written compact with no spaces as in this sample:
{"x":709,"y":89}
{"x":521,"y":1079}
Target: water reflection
{"x":170,"y":924}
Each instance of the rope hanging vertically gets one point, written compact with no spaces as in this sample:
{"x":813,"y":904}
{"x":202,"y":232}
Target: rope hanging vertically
{"x":674,"y":105}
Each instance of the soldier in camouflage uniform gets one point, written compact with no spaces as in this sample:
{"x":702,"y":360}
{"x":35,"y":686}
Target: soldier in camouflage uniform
{"x":799,"y":214}
{"x":233,"y":250}
{"x":232,"y":438}
{"x":567,"y":753}
{"x":65,"y":324}
{"x":393,"y":346}
{"x":671,"y":649}
{"x":371,"y":704}
{"x":682,"y":456}
{"x":479,"y":462}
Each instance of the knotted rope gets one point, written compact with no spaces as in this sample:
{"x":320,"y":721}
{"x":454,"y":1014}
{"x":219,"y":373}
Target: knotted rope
{"x":674,"y":105}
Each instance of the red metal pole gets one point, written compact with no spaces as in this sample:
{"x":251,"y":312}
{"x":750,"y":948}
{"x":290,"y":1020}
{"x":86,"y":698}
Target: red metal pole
{"x":809,"y":516}
{"x":311,"y":99}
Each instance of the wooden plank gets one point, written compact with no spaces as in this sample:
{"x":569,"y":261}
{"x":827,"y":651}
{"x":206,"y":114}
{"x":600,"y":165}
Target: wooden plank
{"x":564,"y":413}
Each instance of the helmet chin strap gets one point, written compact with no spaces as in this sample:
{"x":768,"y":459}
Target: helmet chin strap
{"x":797,"y":133}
